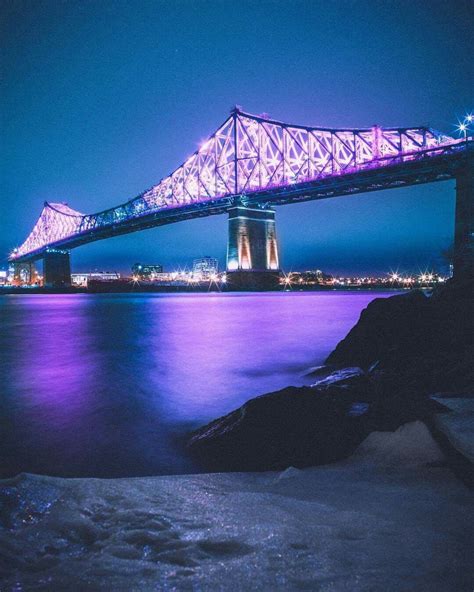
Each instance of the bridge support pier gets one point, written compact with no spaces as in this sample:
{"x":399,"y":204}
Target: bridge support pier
{"x":252,"y":249}
{"x":463,"y":261}
{"x":56,"y":268}
{"x":24,"y":273}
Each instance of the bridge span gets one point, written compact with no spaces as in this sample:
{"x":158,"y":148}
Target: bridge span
{"x":252,"y":164}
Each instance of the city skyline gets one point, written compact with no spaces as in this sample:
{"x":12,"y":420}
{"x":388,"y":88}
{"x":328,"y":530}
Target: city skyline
{"x":83,"y":147}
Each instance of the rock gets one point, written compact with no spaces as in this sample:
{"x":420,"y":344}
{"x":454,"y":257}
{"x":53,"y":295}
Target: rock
{"x":458,"y":423}
{"x":384,"y":326}
{"x":402,"y":349}
{"x":414,"y":342}
{"x":296,"y":427}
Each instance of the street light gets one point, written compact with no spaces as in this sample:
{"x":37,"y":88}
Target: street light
{"x":464,"y":126}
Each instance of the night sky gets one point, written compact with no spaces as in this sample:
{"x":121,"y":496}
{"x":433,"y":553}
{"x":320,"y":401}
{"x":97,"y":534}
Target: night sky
{"x":100,"y":100}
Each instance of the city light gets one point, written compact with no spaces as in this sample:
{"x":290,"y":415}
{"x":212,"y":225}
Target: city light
{"x":463,"y":126}
{"x":186,"y":279}
{"x":286,"y":280}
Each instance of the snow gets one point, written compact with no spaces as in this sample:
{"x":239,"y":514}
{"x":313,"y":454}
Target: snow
{"x":458,"y":424}
{"x":390,"y":518}
{"x":344,"y":374}
{"x":410,"y":445}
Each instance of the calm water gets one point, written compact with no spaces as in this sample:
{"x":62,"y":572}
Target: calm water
{"x":106,"y":385}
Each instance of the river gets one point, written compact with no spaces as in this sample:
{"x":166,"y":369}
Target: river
{"x":107,"y":385}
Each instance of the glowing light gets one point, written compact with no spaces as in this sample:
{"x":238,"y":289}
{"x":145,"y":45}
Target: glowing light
{"x":281,"y":154}
{"x":232,"y":265}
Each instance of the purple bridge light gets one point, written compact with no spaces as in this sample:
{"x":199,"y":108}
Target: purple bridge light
{"x":249,"y":159}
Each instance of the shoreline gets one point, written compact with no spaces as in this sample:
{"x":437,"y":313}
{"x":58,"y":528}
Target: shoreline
{"x":386,"y":510}
{"x":180,"y":290}
{"x":392,"y":513}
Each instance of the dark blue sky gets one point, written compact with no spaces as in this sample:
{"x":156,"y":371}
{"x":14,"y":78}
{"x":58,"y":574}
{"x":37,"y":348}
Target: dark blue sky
{"x":102,"y":99}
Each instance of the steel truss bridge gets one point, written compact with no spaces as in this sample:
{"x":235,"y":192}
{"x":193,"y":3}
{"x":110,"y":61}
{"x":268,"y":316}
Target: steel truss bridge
{"x":257,"y":162}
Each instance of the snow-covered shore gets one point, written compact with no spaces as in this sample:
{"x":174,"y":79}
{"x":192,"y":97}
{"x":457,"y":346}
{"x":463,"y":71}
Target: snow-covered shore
{"x":391,"y":518}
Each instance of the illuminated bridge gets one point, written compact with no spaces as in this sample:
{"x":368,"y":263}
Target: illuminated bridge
{"x":251,"y":164}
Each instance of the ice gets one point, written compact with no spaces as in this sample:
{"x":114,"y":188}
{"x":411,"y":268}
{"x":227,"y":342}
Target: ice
{"x":458,"y":424}
{"x":390,"y":518}
{"x":410,"y":445}
{"x":289,"y":473}
{"x":344,"y":374}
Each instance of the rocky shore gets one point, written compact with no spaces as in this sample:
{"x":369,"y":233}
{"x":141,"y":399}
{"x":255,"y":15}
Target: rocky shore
{"x":392,"y":517}
{"x":389,"y":515}
{"x":403,"y":350}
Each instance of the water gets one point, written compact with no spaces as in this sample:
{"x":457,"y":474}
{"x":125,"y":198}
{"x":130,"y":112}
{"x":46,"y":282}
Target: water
{"x":107,"y":385}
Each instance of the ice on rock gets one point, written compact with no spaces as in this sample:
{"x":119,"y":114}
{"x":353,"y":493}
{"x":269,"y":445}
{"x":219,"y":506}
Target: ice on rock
{"x":339,"y":376}
{"x":411,"y":444}
{"x":458,"y":423}
{"x":25,"y":499}
{"x":289,"y":473}
{"x":357,"y":526}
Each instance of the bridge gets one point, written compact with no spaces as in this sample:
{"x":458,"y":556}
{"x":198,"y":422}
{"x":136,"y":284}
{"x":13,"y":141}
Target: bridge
{"x":252,"y":164}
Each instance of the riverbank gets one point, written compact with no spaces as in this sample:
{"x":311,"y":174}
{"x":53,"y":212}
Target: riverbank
{"x":380,"y":376}
{"x":388,"y":512}
{"x":109,"y":385}
{"x":139,"y":289}
{"x":392,"y":518}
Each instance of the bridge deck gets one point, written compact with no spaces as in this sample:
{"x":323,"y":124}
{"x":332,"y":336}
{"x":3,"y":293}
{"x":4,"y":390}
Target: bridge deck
{"x":255,"y":161}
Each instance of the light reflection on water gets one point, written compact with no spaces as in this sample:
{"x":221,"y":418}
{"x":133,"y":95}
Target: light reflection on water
{"x":104,"y":385}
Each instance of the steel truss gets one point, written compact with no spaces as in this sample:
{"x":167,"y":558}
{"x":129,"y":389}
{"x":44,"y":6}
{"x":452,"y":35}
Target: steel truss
{"x":257,"y":160}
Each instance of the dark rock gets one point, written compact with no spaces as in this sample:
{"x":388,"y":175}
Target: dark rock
{"x":384,"y":326}
{"x":293,"y":427}
{"x":402,"y":349}
{"x":415,"y":342}
{"x":303,"y":426}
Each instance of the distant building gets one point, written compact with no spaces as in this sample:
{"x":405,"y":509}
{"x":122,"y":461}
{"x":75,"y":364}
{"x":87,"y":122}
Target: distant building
{"x":307,"y":278}
{"x":146,"y":272}
{"x":166,"y":277}
{"x":3,"y":277}
{"x":82,"y":279}
{"x":205,"y":267}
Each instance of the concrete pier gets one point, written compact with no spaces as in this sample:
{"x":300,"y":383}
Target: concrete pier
{"x":56,"y":268}
{"x":24,"y":273}
{"x":252,"y":250}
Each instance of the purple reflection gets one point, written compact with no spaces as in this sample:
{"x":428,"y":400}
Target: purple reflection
{"x":105,"y":385}
{"x":50,"y":367}
{"x":222,"y":349}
